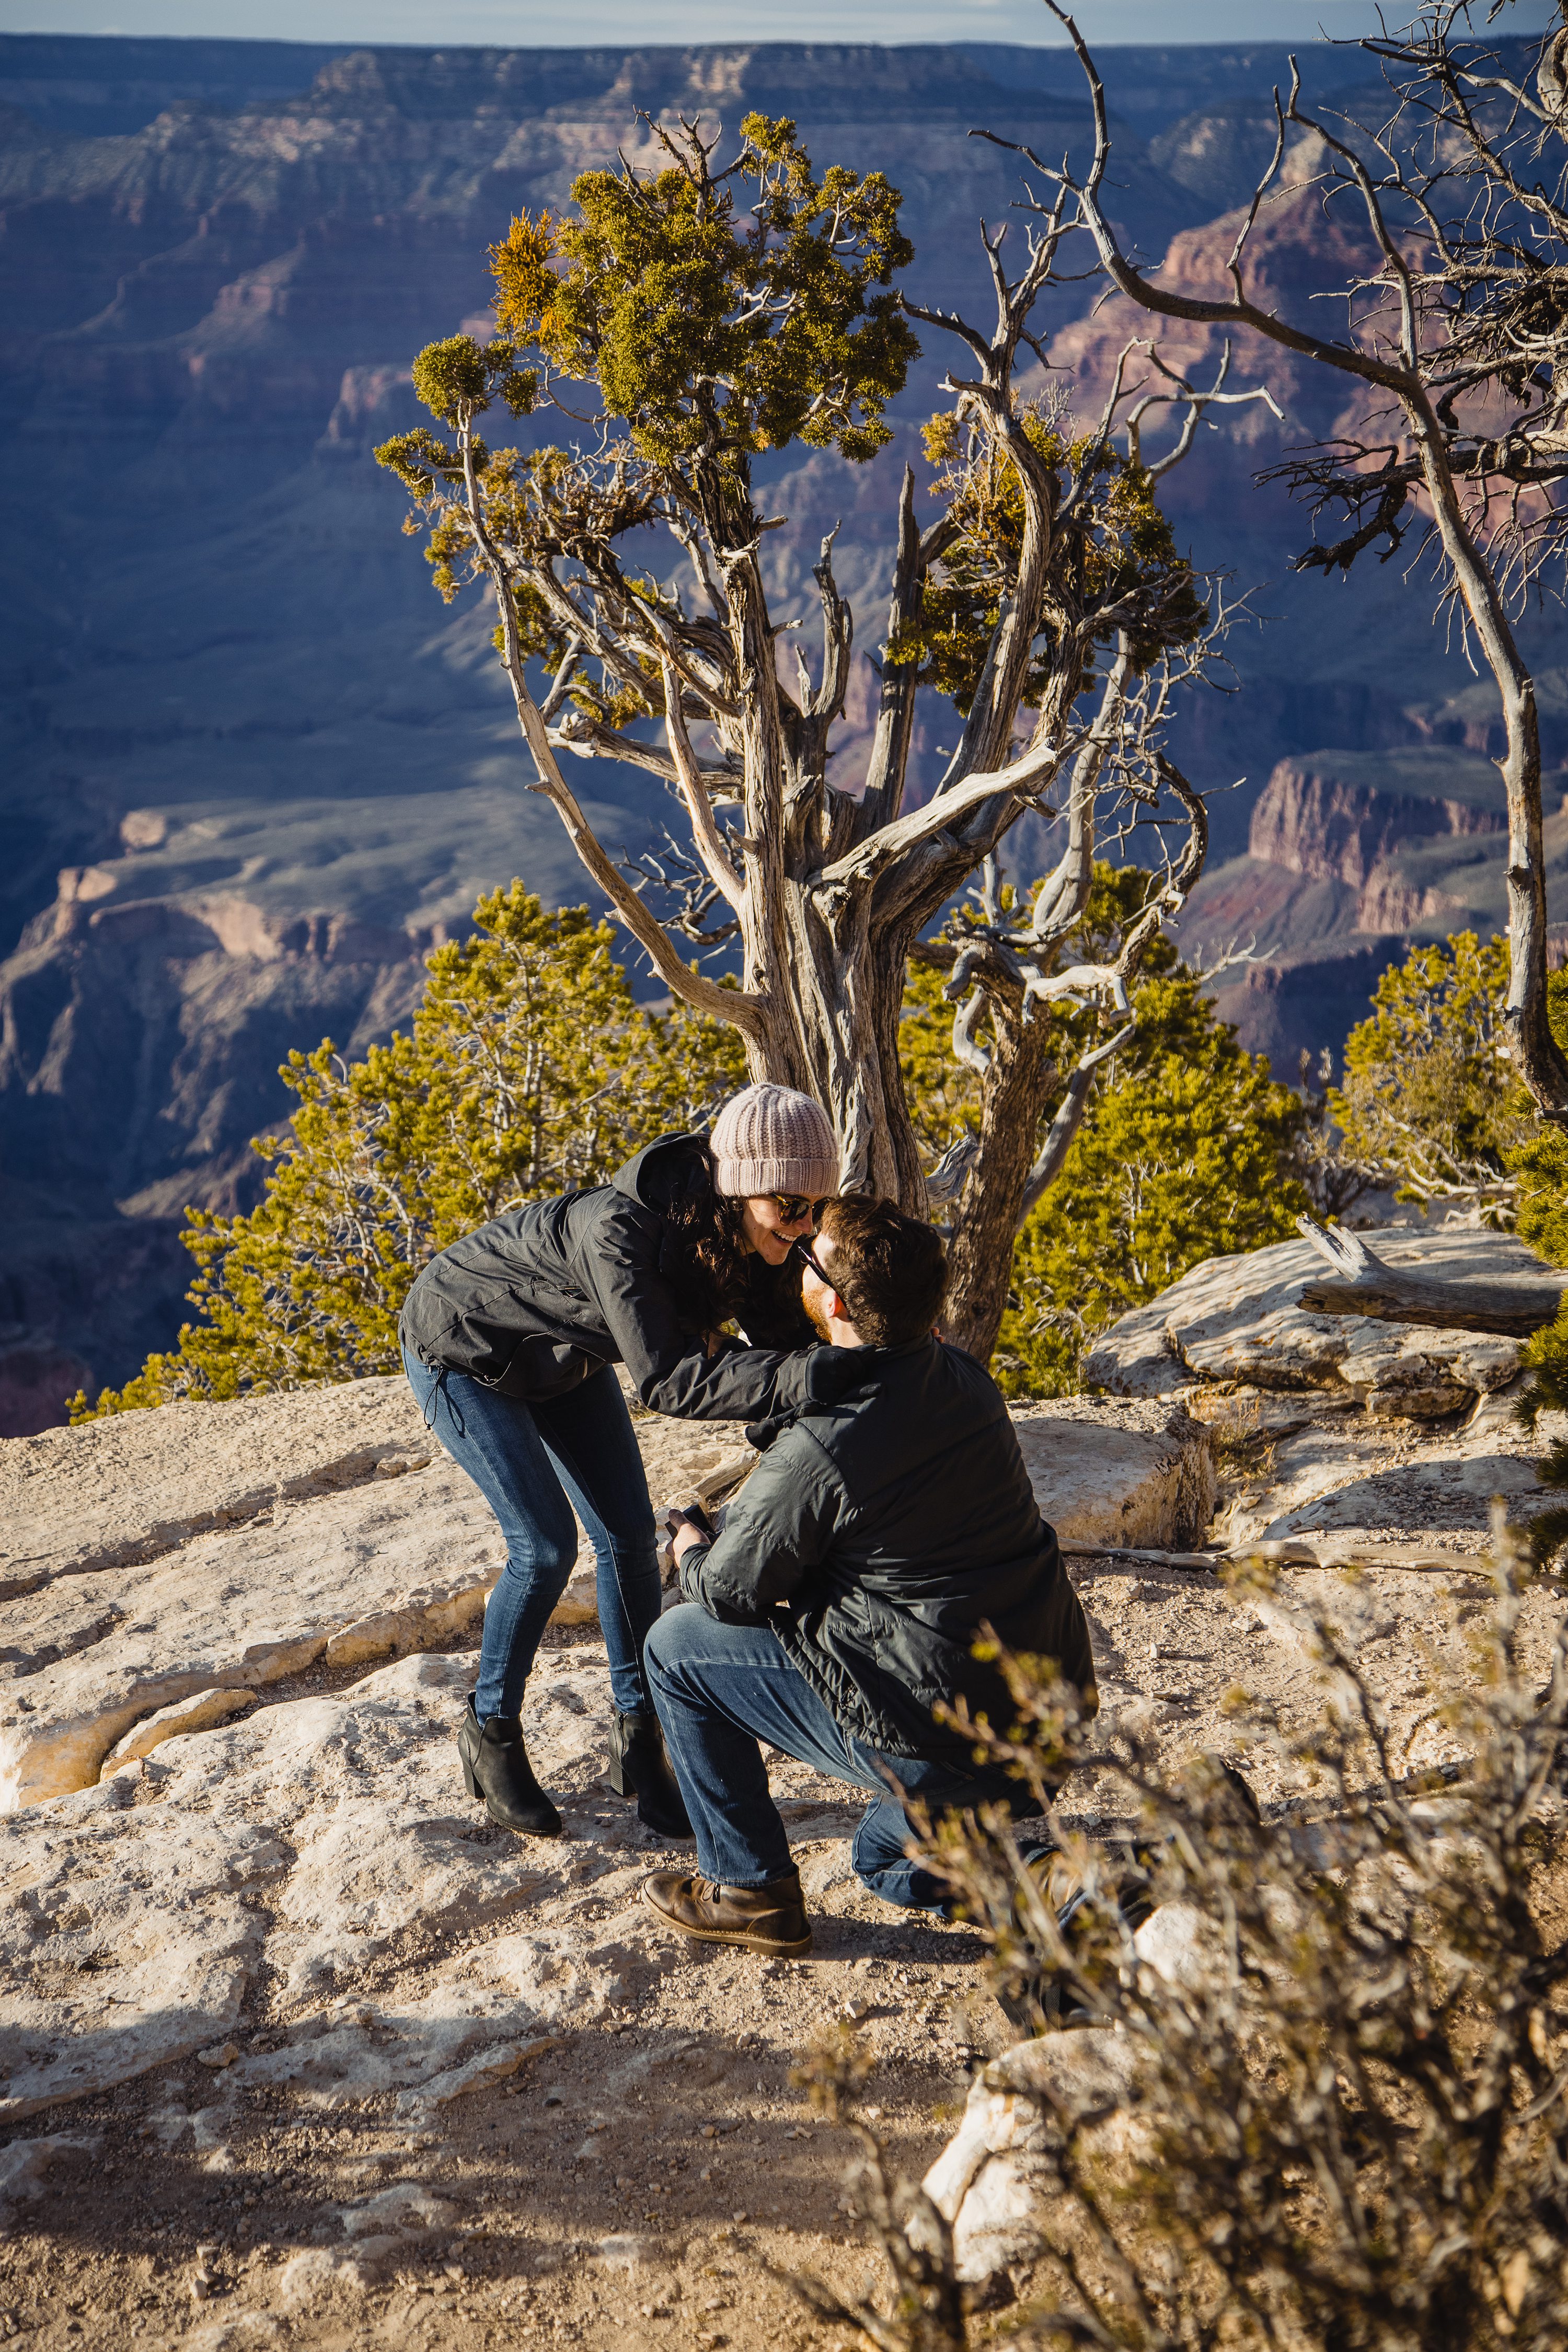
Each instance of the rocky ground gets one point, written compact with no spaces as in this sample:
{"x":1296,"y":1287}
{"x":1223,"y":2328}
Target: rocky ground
{"x":295,"y":2046}
{"x":415,"y":2073}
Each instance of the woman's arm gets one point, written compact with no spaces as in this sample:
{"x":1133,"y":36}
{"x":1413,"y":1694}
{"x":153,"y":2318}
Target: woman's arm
{"x":670,"y":1366}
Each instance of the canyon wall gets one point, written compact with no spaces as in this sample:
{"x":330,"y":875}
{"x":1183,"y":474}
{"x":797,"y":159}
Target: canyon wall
{"x":250,"y":768}
{"x":140,"y":1042}
{"x":1351,"y":856}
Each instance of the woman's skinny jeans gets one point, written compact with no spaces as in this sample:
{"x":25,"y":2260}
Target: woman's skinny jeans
{"x":526,"y":1460}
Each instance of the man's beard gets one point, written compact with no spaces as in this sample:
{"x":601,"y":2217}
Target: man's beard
{"x":818,"y":1320}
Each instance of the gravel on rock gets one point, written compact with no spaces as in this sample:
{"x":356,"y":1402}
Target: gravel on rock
{"x":296,"y":2046}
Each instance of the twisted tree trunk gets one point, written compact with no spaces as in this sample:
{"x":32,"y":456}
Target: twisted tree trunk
{"x":1020,"y":1083}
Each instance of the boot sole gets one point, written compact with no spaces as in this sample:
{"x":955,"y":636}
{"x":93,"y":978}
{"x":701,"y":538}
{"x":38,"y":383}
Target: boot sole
{"x":774,"y":1945}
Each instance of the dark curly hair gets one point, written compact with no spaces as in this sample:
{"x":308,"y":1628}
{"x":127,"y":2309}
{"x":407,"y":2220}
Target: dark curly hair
{"x":715,"y":1279}
{"x":709,"y":1273}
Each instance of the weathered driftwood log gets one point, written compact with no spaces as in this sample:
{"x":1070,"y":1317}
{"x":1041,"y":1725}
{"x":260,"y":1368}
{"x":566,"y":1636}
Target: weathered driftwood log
{"x":1364,"y":1285}
{"x":1293,"y":1551}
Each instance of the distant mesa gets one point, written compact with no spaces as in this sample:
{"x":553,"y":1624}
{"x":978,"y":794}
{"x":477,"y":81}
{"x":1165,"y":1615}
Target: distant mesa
{"x":252,"y":767}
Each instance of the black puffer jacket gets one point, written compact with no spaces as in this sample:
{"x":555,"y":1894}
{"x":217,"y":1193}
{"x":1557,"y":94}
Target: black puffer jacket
{"x":878,"y":1535}
{"x":533,"y":1302}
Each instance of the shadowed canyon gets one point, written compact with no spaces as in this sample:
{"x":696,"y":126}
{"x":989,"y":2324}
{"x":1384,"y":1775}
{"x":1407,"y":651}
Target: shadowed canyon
{"x":253,"y":769}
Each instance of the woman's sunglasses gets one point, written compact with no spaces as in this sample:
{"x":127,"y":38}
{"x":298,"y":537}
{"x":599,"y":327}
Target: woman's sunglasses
{"x":793,"y":1208}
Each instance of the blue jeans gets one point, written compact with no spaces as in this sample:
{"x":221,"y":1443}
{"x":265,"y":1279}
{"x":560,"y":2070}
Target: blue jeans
{"x":719,"y":1689}
{"x":525,"y":1460}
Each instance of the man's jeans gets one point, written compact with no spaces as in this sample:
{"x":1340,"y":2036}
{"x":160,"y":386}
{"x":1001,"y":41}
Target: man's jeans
{"x":720,"y":1688}
{"x":525,"y":1460}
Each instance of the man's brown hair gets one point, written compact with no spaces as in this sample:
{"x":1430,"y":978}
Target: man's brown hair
{"x":889,"y":1270}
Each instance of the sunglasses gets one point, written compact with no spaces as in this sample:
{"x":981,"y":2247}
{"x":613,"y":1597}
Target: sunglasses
{"x":794,"y":1208}
{"x":802,"y":1250}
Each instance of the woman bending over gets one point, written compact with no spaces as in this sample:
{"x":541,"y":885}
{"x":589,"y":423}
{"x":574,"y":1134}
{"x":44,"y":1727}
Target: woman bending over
{"x":509,"y":1340}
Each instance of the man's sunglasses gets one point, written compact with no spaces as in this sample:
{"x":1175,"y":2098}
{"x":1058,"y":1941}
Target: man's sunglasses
{"x":802,"y":1250}
{"x":793,"y":1208}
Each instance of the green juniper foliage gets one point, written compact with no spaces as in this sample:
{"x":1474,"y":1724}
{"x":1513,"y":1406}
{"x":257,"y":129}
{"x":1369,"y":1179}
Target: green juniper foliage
{"x":1115,"y":554}
{"x":714,"y":329}
{"x":528,"y":1068}
{"x":678,"y":302}
{"x":1430,"y":1103}
{"x":1185,"y":1152}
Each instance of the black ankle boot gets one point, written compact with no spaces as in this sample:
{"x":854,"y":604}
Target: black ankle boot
{"x":496,"y":1768}
{"x":640,"y":1769}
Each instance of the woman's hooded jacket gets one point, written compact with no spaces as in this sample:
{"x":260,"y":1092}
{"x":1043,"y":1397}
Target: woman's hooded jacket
{"x":536,"y":1300}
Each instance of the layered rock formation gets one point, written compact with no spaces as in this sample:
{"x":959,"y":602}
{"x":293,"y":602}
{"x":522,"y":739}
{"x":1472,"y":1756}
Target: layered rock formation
{"x":140,"y":1044}
{"x":1240,"y":1319}
{"x":1345,"y":819}
{"x":1347,"y":1428}
{"x":252,"y":767}
{"x":1352,"y":856}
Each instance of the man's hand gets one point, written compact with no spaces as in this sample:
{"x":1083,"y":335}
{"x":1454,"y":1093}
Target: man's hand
{"x":685,"y":1535}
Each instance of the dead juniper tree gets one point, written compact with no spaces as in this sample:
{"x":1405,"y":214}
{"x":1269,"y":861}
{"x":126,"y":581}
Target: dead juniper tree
{"x":710,"y":314}
{"x":1009,"y":965}
{"x":1321,"y":2101}
{"x":1453,"y":339}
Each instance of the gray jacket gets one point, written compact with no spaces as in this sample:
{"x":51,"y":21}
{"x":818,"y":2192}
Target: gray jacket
{"x":536,"y":1300}
{"x":879,"y":1535}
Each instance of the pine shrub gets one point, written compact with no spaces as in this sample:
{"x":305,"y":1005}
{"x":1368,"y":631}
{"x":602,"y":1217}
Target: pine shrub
{"x":528,"y":1069}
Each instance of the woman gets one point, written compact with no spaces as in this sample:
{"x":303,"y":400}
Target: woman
{"x":509,"y":1340}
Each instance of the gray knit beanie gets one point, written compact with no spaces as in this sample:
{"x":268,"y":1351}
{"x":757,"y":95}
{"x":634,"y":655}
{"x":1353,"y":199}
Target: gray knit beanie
{"x":770,"y":1139}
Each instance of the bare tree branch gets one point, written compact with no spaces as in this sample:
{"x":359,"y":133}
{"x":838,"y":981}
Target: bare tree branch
{"x":1363,"y":1284}
{"x":1025,"y":778}
{"x":1064,"y":1127}
{"x":1436,"y":449}
{"x":745,"y":1011}
{"x":710,"y":844}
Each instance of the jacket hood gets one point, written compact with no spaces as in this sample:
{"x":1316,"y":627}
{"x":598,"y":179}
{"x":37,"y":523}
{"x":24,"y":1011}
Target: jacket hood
{"x":649,"y":1176}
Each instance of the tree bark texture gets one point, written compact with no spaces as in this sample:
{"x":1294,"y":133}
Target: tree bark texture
{"x":1018,"y":1087}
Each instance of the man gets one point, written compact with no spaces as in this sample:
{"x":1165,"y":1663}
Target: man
{"x":843,"y":1600}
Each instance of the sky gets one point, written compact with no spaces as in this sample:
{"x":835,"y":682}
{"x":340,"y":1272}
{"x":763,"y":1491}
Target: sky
{"x":544,"y":23}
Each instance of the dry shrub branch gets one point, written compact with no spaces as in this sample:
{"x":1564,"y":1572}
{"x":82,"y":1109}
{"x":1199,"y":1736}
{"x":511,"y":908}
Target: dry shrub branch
{"x":929,"y":2308}
{"x":1319,"y":2099}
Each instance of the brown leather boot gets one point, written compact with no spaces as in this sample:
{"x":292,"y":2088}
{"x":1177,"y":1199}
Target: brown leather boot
{"x":769,"y":1918}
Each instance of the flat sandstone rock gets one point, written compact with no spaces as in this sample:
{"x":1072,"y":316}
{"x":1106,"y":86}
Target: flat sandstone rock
{"x":1240,"y":1318}
{"x":1137,"y":1475}
{"x":127,"y":1488}
{"x":319,"y":1838}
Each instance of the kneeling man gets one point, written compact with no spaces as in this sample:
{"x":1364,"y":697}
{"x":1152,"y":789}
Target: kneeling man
{"x":846,"y":1594}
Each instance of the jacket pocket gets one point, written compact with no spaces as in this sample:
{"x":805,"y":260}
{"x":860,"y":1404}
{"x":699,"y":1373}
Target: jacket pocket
{"x":539,"y":1368}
